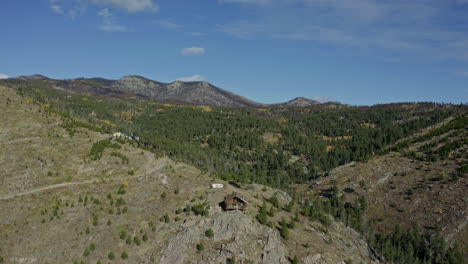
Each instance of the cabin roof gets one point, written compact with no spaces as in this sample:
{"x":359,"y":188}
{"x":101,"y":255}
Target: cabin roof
{"x":234,"y":195}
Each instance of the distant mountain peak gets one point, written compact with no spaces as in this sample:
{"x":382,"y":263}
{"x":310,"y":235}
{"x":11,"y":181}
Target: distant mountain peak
{"x":32,"y":77}
{"x":300,"y":102}
{"x":179,"y":91}
{"x":133,"y":77}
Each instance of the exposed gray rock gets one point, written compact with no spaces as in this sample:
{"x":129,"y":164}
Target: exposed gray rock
{"x":235,"y":232}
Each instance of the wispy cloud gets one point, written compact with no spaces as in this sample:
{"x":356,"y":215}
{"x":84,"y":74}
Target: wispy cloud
{"x":462,"y":73}
{"x":169,"y":24}
{"x":4,"y":76}
{"x":197,"y":34}
{"x":193,"y":78}
{"x":108,"y":22}
{"x":57,"y":9}
{"x":131,"y":6}
{"x":374,"y":26}
{"x":75,"y":8}
{"x":193,"y":51}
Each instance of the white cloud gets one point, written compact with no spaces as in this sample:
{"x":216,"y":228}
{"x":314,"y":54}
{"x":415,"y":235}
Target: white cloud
{"x":194,"y":78}
{"x":57,"y":9}
{"x":76,"y":8}
{"x":4,"y":76}
{"x":462,"y":73}
{"x":108,"y":22}
{"x":169,"y":24}
{"x":193,"y":51}
{"x":131,"y":6}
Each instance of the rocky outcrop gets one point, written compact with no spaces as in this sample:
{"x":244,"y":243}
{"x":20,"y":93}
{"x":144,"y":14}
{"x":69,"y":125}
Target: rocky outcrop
{"x":196,"y":93}
{"x":235,"y":234}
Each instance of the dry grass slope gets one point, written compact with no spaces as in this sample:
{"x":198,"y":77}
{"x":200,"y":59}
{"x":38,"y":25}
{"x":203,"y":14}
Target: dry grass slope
{"x":64,"y":207}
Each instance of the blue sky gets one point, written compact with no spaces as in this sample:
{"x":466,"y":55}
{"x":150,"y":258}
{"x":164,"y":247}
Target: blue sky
{"x":353,"y":51}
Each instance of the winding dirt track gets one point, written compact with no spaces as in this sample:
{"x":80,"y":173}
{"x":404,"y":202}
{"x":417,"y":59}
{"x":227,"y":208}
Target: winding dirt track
{"x":148,"y":170}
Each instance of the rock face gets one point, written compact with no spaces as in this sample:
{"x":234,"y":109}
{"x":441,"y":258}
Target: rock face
{"x":196,"y":93}
{"x":235,"y":234}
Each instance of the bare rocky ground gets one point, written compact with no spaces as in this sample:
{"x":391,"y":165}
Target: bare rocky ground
{"x":59,"y":206}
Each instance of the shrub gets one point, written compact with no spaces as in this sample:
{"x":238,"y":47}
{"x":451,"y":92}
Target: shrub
{"x":124,"y":255}
{"x":145,"y":237}
{"x":209,"y":233}
{"x":200,"y":209}
{"x":271,"y":212}
{"x":120,"y":202}
{"x":284,"y":230}
{"x":109,"y":222}
{"x":262,"y":217}
{"x":200,"y":247}
{"x":98,"y":148}
{"x":129,"y":240}
{"x":274,"y":201}
{"x":86,"y":252}
{"x":121,"y":190}
{"x":325,"y":220}
{"x":123,"y":234}
{"x":137,"y":241}
{"x":166,"y":218}
{"x":295,"y":260}
{"x":111,"y":255}
{"x":92,"y":247}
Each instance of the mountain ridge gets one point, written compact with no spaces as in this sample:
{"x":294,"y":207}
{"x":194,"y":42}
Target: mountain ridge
{"x":177,"y":92}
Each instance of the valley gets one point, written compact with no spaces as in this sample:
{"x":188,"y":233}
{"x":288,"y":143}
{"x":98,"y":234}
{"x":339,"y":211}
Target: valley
{"x":325,"y":183}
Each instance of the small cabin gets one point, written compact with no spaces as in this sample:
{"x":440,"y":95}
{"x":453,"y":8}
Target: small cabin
{"x":235,"y":201}
{"x":217,"y":186}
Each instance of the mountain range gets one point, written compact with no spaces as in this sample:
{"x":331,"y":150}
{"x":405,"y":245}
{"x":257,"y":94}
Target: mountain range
{"x":178,"y":92}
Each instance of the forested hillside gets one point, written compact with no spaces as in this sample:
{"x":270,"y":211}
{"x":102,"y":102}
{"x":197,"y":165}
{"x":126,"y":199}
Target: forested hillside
{"x":274,"y":146}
